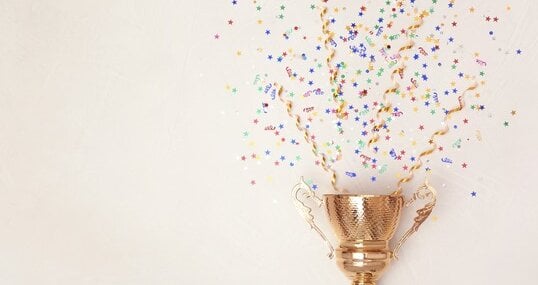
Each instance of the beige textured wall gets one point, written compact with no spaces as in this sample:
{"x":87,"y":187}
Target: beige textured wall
{"x":117,"y":162}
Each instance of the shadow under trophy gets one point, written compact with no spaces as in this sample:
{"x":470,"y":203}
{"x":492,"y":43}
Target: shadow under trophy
{"x":364,"y":225}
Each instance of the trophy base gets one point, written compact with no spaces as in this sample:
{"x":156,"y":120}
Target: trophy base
{"x":363,"y":261}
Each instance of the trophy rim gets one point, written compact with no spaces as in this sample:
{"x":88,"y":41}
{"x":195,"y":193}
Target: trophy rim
{"x":362,"y":195}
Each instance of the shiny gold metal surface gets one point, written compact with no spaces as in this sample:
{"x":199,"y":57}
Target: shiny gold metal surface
{"x":364,"y":224}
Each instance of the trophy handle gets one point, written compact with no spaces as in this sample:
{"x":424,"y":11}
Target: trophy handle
{"x":425,"y":191}
{"x":303,"y":190}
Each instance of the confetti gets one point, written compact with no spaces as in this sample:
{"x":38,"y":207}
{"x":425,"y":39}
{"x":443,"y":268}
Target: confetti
{"x":356,"y":47}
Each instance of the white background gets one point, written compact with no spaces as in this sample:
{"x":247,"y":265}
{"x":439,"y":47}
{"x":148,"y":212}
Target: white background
{"x":117,"y":161}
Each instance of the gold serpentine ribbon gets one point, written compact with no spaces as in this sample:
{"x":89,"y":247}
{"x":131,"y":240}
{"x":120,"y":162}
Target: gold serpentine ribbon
{"x":395,"y":85}
{"x":386,"y":105}
{"x":306,"y":134}
{"x":333,"y":77}
{"x":439,"y":132}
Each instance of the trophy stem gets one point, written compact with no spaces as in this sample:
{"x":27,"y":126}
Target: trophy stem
{"x":363,"y":279}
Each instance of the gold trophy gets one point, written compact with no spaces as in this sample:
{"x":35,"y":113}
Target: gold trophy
{"x":364,"y":225}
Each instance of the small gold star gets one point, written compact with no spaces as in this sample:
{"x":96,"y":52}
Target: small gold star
{"x":513,"y":112}
{"x":238,"y":53}
{"x":471,"y":10}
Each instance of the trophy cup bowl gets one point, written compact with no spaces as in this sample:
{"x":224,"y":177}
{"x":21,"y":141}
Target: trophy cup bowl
{"x":364,"y":225}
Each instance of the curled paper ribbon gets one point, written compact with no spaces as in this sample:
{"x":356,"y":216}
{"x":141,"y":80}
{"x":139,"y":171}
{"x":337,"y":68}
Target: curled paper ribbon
{"x":386,"y":105}
{"x":306,"y":134}
{"x":395,"y":85}
{"x":440,"y":132}
{"x":333,"y":77}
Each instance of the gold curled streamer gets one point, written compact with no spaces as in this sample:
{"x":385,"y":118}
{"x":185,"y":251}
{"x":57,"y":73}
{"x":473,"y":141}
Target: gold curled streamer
{"x":439,"y":132}
{"x":395,"y":85}
{"x":306,"y":134}
{"x":386,"y":106}
{"x":333,"y":77}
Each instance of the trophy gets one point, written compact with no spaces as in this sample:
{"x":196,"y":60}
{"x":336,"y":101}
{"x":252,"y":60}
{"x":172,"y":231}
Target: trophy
{"x":364,"y":226}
